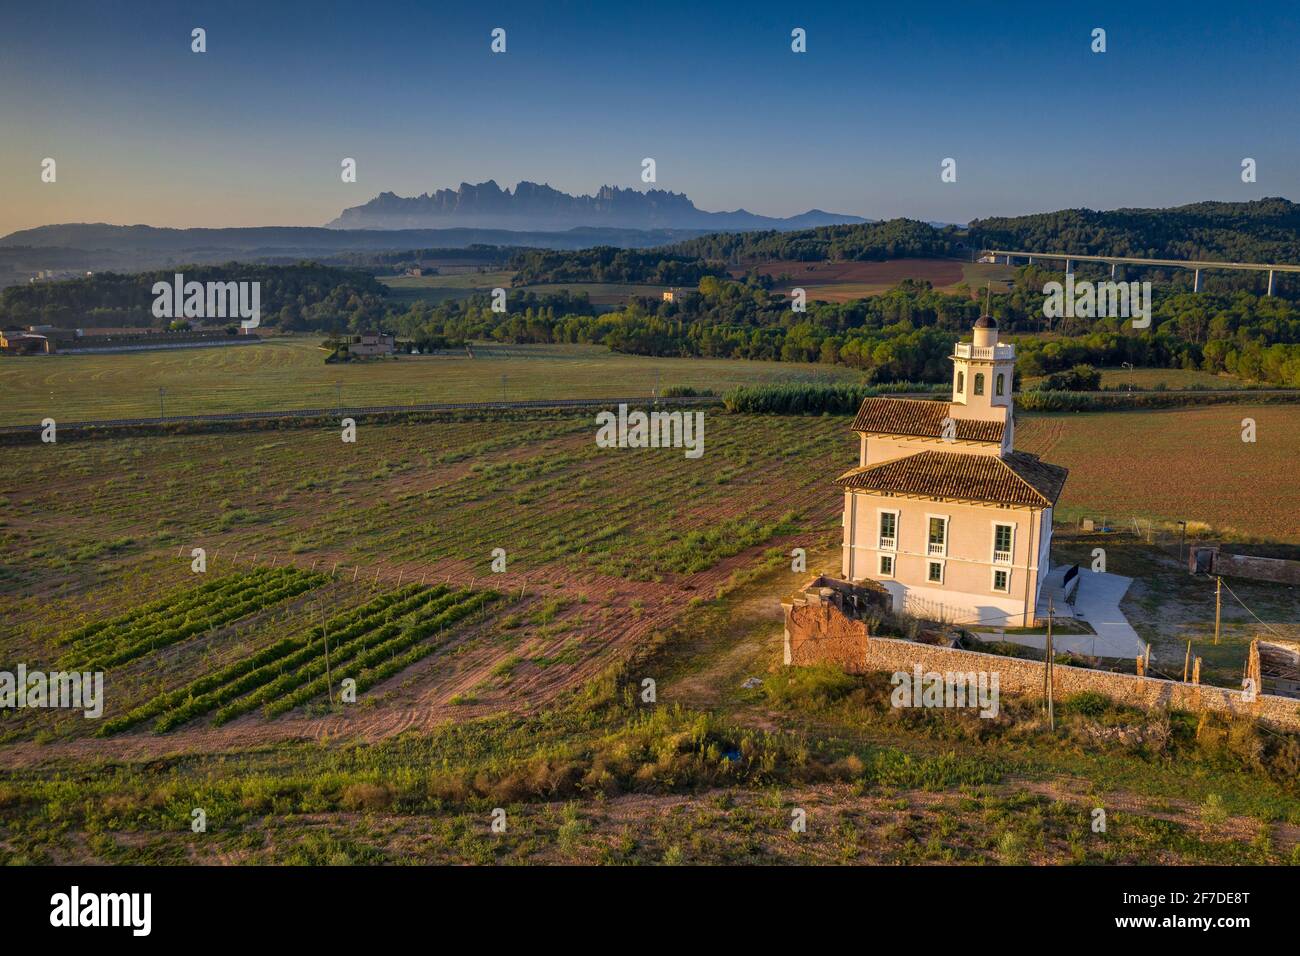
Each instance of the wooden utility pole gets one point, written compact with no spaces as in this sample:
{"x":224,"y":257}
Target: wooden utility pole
{"x":1187,"y":661}
{"x":1051,"y":710}
{"x":1218,"y":605}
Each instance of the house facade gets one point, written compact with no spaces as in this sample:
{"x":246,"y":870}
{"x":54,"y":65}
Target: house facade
{"x":372,"y":343}
{"x":941,"y":510}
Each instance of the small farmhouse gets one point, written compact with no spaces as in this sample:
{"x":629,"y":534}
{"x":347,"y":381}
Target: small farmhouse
{"x":372,"y":343}
{"x":942,"y":511}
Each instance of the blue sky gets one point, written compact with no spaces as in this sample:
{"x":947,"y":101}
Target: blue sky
{"x":252,"y":132}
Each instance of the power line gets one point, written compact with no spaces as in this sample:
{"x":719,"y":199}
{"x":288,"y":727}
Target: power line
{"x":1252,"y":613}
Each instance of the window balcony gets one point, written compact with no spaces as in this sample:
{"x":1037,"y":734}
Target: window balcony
{"x":937,"y":548}
{"x":1001,"y":557}
{"x":888,"y":544}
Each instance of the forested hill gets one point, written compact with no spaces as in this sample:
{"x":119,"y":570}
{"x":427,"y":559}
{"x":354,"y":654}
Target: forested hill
{"x":1265,"y":230}
{"x":304,"y":296}
{"x":895,"y":239}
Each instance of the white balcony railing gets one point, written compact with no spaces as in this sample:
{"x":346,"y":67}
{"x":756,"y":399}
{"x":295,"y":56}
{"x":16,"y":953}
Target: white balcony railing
{"x":969,"y":351}
{"x":888,"y":544}
{"x":1001,"y":557}
{"x":936,"y":548}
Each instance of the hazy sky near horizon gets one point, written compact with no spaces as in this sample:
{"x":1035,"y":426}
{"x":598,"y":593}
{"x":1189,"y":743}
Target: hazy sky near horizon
{"x":252,"y":132}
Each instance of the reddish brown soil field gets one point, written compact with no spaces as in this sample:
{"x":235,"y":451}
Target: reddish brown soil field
{"x":842,"y":281}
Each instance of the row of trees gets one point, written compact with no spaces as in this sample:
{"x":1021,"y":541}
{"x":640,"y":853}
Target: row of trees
{"x":306,"y":296}
{"x":893,"y":239}
{"x":610,"y":264}
{"x":907,"y":333}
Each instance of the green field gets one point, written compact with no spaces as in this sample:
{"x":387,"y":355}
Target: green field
{"x":290,"y":372}
{"x":600,"y":542}
{"x":978,"y":274}
{"x":372,"y":563}
{"x":1178,"y":464}
{"x":441,"y":288}
{"x":91,"y":529}
{"x":709,"y":774}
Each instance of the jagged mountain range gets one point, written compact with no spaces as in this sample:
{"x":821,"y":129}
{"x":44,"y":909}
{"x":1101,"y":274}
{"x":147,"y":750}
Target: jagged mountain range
{"x":538,"y":207}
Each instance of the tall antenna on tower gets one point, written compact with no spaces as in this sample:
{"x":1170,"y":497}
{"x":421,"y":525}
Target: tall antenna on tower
{"x":988,"y":292}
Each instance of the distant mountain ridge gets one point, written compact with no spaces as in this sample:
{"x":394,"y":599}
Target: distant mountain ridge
{"x":539,"y":207}
{"x":1263,"y":230}
{"x":101,"y":246}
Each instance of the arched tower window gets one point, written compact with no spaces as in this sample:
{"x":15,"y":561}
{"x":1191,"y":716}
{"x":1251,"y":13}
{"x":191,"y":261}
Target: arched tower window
{"x":961,"y":383}
{"x":999,"y":386}
{"x":979,"y":383}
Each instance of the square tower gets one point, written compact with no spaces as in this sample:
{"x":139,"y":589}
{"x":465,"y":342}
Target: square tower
{"x":982,"y":379}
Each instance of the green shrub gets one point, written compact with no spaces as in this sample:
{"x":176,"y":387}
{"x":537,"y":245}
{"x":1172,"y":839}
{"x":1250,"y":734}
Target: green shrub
{"x":1213,"y":811}
{"x":1089,"y":703}
{"x":811,"y":687}
{"x":809,"y":398}
{"x":1081,"y":378}
{"x":1011,"y":849}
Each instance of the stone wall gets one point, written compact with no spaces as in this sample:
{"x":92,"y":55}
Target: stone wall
{"x":1261,"y":569}
{"x":1026,"y":677}
{"x":819,"y":631}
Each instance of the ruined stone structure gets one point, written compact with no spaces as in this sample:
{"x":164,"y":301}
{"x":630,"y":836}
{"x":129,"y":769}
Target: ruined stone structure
{"x":1275,"y":666}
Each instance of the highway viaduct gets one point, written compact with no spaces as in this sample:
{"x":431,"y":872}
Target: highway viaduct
{"x":1115,"y":261}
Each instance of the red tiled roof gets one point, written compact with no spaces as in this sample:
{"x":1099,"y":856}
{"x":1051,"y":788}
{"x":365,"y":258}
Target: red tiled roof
{"x":917,"y":417}
{"x":1018,"y":478}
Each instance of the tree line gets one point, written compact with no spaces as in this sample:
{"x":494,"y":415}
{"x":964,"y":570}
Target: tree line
{"x":904,"y":334}
{"x":610,"y":264}
{"x":301,"y":297}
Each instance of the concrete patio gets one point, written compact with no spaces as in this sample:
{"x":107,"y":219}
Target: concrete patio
{"x":1097,"y":603}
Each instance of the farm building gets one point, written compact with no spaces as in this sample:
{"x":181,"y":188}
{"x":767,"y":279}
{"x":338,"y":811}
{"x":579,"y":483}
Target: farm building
{"x":676,"y":295}
{"x":23,"y":343}
{"x":941,"y":510}
{"x":372,"y":343}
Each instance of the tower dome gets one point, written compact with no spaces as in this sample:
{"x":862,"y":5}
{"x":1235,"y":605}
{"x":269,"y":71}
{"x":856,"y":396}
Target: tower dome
{"x":986,"y":331}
